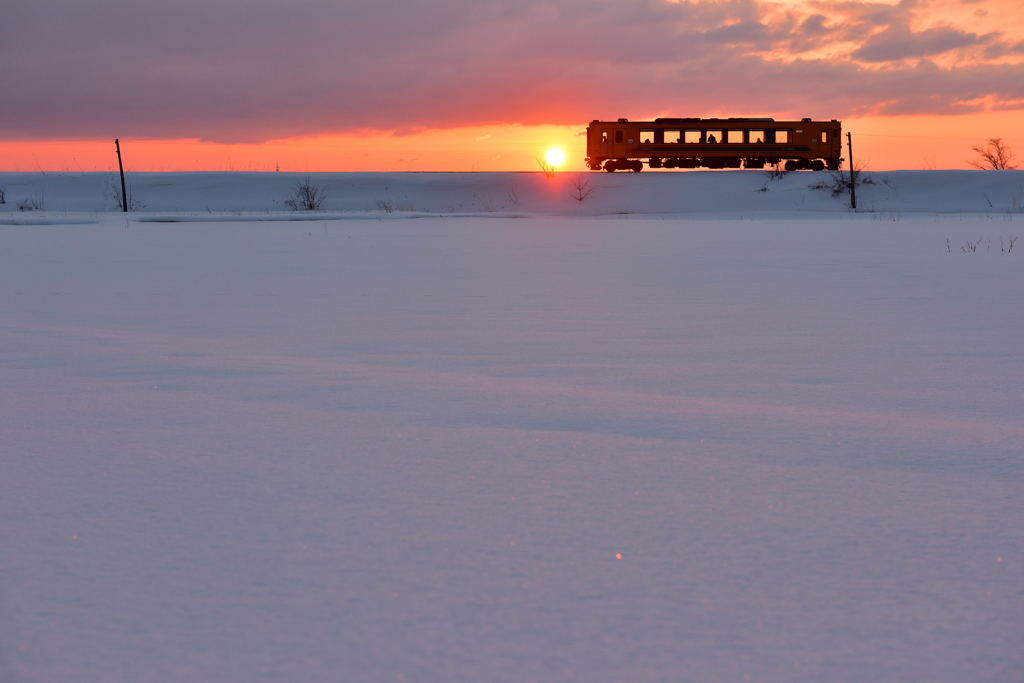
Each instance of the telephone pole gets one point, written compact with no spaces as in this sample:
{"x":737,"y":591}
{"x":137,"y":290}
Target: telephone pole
{"x":853,"y":178}
{"x":120,"y":166}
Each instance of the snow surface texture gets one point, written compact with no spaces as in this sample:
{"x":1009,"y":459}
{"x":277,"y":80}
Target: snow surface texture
{"x":663,"y":448}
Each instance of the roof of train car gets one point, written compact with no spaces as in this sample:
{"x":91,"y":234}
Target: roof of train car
{"x":697,"y":119}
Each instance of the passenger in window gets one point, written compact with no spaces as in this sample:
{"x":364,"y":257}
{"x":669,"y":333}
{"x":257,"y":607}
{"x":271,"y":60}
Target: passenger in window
{"x":757,"y":141}
{"x":711,"y":139}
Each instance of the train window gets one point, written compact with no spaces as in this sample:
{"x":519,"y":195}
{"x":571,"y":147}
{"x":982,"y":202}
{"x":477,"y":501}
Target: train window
{"x":824,"y":136}
{"x":734,"y":136}
{"x":714,"y":136}
{"x":755,"y":136}
{"x":604,"y":136}
{"x":782,"y":136}
{"x":671,"y":137}
{"x":692,"y":136}
{"x":618,"y":136}
{"x":646,"y":136}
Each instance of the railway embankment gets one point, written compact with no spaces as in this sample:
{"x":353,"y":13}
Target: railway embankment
{"x":504,"y":194}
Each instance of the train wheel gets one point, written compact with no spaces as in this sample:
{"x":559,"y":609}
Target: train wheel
{"x":817,"y":165}
{"x":791,"y":165}
{"x":636,"y":166}
{"x":610,"y":166}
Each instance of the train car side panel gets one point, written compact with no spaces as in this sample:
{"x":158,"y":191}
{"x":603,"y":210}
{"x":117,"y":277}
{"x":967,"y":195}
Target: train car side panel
{"x":713,"y":143}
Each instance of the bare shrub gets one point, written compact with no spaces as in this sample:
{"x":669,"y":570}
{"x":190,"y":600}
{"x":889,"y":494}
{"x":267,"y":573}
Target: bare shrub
{"x":995,"y":155}
{"x":547,"y":169}
{"x":384,"y":206}
{"x":133,"y":203}
{"x":113,"y":193}
{"x":1006,"y":244}
{"x":776,"y":171}
{"x":33,"y":203}
{"x":840,"y":182}
{"x":970,"y":246}
{"x":306,"y":196}
{"x":581,"y":188}
{"x":3,"y":196}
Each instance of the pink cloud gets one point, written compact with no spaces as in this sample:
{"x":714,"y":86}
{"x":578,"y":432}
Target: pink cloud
{"x":252,"y":70}
{"x":899,"y":42}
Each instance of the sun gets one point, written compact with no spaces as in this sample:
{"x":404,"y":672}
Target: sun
{"x":555,"y":156}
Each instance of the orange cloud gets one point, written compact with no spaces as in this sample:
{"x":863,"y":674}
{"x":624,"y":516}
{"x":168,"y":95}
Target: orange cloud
{"x":254,"y":74}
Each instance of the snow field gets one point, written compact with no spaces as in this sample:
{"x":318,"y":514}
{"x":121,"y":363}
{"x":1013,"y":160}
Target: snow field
{"x":699,"y":448}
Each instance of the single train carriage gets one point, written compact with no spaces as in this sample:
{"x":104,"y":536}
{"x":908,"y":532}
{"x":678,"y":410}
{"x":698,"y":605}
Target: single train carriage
{"x":626,"y":145}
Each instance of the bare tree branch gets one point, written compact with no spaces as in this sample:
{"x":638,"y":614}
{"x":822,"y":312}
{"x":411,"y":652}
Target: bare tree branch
{"x":994,"y":156}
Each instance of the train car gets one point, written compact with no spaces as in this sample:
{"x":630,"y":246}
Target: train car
{"x":626,"y":145}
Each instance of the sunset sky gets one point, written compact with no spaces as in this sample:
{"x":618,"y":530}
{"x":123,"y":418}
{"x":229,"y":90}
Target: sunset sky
{"x":383,"y":85}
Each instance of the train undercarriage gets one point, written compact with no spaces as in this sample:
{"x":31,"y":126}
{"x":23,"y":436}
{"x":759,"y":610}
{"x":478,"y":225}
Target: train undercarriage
{"x":637,"y":165}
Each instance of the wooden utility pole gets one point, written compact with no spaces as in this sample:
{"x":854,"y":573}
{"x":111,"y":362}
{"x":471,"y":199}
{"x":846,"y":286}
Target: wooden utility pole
{"x":853,"y":178}
{"x":120,"y":166}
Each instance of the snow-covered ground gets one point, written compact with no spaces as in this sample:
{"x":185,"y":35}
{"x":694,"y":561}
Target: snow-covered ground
{"x":403,"y":194}
{"x":779,"y":445}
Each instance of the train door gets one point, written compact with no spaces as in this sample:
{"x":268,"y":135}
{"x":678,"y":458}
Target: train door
{"x":619,"y":144}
